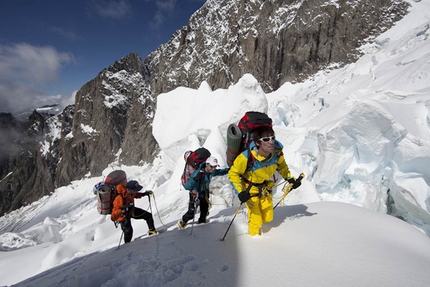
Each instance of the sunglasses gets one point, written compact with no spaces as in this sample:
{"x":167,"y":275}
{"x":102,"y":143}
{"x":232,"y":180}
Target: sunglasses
{"x":267,"y":139}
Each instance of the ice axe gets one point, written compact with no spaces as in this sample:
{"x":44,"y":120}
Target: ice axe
{"x":287,"y":188}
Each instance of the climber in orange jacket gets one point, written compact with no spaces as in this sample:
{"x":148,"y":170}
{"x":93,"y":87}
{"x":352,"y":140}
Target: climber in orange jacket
{"x":123,"y":208}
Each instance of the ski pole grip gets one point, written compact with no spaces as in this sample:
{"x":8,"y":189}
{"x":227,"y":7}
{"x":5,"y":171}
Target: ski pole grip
{"x":301,"y":176}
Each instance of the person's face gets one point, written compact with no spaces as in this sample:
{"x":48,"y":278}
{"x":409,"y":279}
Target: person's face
{"x":210,"y":168}
{"x":132,"y":192}
{"x":266,"y":144}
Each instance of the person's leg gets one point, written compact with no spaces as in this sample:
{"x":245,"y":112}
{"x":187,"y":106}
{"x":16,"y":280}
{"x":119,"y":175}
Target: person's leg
{"x":267,"y":208}
{"x":191,"y":211}
{"x":204,"y":208}
{"x":139,"y":213}
{"x":255,"y":220}
{"x":127,"y":229}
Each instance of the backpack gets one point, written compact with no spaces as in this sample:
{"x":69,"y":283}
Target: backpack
{"x":193,"y":159}
{"x":106,"y":191}
{"x":240,"y":136}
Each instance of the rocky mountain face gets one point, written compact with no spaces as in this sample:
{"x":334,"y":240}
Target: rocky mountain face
{"x":23,"y":166}
{"x":274,"y":40}
{"x":112,"y":120}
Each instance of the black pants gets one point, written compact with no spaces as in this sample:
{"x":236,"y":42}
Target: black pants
{"x":204,"y":208}
{"x":136,"y":213}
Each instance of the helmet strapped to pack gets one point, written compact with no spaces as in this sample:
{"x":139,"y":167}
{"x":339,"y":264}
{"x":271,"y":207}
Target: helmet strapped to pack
{"x":98,"y":186}
{"x":187,"y":154}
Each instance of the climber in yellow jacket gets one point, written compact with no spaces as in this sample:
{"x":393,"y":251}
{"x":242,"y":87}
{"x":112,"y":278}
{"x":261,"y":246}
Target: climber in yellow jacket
{"x":253,"y":178}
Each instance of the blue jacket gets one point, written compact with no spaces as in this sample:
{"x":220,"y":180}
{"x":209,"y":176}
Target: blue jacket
{"x":200,"y":180}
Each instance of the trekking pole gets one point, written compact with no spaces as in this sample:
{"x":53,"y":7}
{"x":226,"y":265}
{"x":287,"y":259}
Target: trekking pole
{"x":194,"y":215}
{"x":119,"y":244}
{"x":234,"y":216}
{"x":287,"y":188}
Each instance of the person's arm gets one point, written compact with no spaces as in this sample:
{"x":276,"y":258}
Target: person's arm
{"x":283,"y":169}
{"x":236,"y":171}
{"x":141,"y":194}
{"x":218,"y":172}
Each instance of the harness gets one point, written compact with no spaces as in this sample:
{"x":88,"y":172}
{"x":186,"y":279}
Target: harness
{"x":262,"y":188}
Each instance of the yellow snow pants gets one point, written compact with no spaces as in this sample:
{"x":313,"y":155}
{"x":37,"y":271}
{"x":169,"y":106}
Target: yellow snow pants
{"x":260,"y":210}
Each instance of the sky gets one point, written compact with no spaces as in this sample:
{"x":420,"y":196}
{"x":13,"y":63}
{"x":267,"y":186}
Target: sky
{"x":356,"y":133}
{"x":50,"y":49}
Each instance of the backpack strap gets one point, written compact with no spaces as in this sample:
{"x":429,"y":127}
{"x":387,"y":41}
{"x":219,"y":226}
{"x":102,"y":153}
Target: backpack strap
{"x":199,"y":177}
{"x":250,"y":160}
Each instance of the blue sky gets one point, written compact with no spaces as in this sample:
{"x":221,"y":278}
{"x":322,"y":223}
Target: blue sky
{"x":49,"y":49}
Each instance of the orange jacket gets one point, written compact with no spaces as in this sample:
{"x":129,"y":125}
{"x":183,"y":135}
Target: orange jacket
{"x":123,"y":198}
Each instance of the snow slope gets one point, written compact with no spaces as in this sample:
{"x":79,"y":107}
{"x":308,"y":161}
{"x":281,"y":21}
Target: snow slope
{"x":318,"y":244}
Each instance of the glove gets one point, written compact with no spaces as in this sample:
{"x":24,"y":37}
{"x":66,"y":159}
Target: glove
{"x":296,"y":183}
{"x":244,"y":196}
{"x":147,"y":193}
{"x":194,"y":194}
{"x":126,"y":208}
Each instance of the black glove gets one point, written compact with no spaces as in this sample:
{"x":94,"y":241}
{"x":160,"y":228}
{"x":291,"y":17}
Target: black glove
{"x":126,"y":208}
{"x":147,"y":193}
{"x":244,"y":196}
{"x":296,"y":183}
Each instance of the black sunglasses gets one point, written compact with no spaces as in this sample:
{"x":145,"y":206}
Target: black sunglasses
{"x":267,"y":139}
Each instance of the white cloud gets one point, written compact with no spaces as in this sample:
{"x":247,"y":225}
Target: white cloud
{"x":70,"y":100}
{"x":25,"y":62}
{"x":112,"y":9}
{"x":164,"y":8}
{"x":23,"y":69}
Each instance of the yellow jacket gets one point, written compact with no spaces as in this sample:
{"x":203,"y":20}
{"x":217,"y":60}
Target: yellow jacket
{"x":261,"y":171}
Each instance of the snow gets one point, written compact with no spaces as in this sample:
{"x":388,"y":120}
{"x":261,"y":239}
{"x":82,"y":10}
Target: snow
{"x":359,"y":133}
{"x":86,"y":129}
